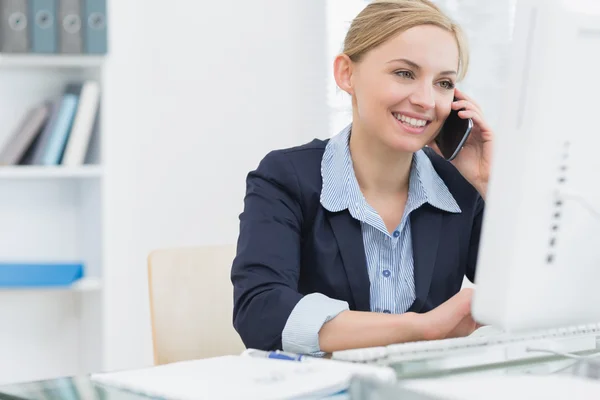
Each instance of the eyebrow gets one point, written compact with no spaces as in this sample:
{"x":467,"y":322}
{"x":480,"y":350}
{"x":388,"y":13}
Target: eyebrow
{"x":416,"y":66}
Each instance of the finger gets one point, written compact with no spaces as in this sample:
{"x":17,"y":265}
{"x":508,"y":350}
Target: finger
{"x":462,"y":96}
{"x":465,"y":105}
{"x":477,"y":119}
{"x":461,"y":104}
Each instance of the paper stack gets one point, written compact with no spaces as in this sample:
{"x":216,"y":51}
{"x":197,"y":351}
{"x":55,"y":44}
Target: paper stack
{"x":239,"y":377}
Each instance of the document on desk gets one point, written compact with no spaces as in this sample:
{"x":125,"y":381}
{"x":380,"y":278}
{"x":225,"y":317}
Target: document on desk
{"x":238,"y":377}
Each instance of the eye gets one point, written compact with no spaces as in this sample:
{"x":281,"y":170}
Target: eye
{"x":447,"y":85}
{"x":405,"y":74}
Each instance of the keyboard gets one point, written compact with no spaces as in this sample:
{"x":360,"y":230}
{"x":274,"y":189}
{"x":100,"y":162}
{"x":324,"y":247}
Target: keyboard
{"x":481,"y":350}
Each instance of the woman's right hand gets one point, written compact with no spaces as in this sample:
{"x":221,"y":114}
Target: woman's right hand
{"x":360,"y":329}
{"x":450,"y":319}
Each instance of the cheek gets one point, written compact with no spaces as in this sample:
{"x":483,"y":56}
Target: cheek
{"x":394,"y":94}
{"x":380,"y":95}
{"x":443,"y":113}
{"x":435,"y":129}
{"x":441,"y":117}
{"x":373,"y":102}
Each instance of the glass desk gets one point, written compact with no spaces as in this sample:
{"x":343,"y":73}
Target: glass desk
{"x":364,"y":389}
{"x":82,"y":388}
{"x":68,"y":388}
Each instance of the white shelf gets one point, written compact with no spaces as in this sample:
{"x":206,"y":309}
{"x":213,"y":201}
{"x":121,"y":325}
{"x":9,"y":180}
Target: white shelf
{"x":83,"y":285}
{"x":50,"y":172}
{"x":45,"y":61}
{"x":87,"y":285}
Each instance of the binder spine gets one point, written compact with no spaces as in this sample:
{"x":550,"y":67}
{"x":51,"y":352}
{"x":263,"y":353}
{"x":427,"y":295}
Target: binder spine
{"x":95,"y":21}
{"x":14,"y":35}
{"x":42,"y":18}
{"x":71,"y":32}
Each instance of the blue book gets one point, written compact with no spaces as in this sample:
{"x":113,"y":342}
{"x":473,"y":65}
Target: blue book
{"x":52,"y":154}
{"x":42,"y":14}
{"x":40,"y":274}
{"x":95,"y":22}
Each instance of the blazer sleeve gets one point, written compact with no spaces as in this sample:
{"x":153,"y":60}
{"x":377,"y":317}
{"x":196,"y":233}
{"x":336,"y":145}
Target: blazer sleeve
{"x":475,"y":239}
{"x":266,"y":268}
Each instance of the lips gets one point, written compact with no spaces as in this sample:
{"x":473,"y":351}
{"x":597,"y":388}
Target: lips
{"x":411,"y":124}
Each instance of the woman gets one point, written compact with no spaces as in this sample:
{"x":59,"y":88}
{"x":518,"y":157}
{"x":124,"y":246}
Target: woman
{"x":363,"y":240}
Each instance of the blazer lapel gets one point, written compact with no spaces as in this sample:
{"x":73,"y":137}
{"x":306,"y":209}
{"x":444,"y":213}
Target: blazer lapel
{"x":425,"y":225}
{"x":349,"y":237}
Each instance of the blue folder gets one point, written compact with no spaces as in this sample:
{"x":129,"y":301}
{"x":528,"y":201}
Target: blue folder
{"x":14,"y":275}
{"x":42,"y":17}
{"x":95,"y":33}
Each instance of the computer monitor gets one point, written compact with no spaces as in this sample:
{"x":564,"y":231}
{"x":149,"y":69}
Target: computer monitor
{"x":539,"y":256}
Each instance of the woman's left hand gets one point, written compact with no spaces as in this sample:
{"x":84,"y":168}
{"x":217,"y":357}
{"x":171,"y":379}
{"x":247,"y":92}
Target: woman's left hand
{"x":475,"y":158}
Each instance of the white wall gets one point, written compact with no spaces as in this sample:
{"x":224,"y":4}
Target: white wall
{"x":340,"y":14}
{"x":488,"y":29}
{"x":196,"y":93}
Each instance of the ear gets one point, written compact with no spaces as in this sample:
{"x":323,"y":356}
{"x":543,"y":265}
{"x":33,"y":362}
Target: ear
{"x":342,"y":71}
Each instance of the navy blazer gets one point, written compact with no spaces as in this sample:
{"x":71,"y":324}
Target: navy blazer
{"x":290,"y":246}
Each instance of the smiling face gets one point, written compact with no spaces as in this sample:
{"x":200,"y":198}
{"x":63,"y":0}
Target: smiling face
{"x":403,"y":89}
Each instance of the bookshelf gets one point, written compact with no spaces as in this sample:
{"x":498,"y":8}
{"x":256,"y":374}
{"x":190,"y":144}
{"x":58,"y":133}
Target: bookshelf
{"x":82,"y":285}
{"x":50,"y":61}
{"x":51,"y":214}
{"x":34,"y":172}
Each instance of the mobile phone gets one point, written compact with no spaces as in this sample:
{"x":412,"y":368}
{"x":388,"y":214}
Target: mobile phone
{"x":453,"y":135}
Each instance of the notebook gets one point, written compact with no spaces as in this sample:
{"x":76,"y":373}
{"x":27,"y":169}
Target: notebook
{"x":238,"y":377}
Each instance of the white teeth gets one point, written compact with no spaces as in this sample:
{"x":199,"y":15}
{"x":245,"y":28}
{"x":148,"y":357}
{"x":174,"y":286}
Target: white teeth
{"x":417,"y":123}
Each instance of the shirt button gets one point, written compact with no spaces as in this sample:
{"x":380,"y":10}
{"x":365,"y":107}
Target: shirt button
{"x":387,"y":273}
{"x":396,"y":234}
{"x":387,"y":312}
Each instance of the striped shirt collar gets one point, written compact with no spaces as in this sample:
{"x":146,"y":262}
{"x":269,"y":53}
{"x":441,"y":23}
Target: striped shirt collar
{"x":340,"y":188}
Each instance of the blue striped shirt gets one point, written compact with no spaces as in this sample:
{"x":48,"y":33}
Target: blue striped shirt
{"x":389,"y":256}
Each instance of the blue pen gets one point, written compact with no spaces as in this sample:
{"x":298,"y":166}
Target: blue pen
{"x":277,"y":355}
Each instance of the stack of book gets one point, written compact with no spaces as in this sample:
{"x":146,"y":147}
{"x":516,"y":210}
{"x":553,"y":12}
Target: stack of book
{"x":57,"y":131}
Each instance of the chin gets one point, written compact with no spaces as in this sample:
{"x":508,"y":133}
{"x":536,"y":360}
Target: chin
{"x":408,"y":144}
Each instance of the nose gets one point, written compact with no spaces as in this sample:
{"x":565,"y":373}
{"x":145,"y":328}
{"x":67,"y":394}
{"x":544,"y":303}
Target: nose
{"x":423,"y":96}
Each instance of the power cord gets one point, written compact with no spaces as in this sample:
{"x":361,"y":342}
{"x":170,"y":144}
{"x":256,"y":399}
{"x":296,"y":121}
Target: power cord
{"x":562,"y":354}
{"x":571,"y":356}
{"x":569,"y":195}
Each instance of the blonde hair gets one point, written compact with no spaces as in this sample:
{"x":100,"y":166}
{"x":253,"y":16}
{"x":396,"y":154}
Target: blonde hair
{"x":383,"y":19}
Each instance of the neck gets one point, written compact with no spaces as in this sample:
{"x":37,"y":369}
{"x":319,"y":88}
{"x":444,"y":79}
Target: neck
{"x":378,"y":168}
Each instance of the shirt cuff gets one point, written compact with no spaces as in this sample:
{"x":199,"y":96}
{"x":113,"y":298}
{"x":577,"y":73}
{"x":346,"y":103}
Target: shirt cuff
{"x":301,"y":332}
